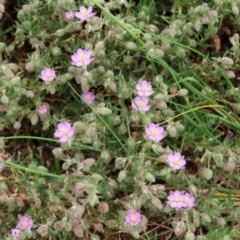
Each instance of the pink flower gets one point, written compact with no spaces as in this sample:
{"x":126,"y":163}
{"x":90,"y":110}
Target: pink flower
{"x":176,"y":200}
{"x":88,"y":97}
{"x":48,"y":74}
{"x":15,"y":233}
{"x":176,"y":161}
{"x":64,"y":132}
{"x":140,"y":104}
{"x":42,"y":109}
{"x":81,"y":58}
{"x":69,"y":15}
{"x":154,"y":132}
{"x":133,"y":218}
{"x":25,"y":223}
{"x":144,"y":88}
{"x":84,"y":13}
{"x":188,"y":200}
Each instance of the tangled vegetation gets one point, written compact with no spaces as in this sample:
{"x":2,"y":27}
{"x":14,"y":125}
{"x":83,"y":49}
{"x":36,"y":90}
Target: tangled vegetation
{"x":119,"y":119}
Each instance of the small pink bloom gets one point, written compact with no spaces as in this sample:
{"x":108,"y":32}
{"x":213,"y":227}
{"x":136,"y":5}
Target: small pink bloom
{"x":175,"y":200}
{"x":140,"y":104}
{"x":144,"y":88}
{"x":25,"y":223}
{"x":69,"y":15}
{"x":64,"y":132}
{"x":84,"y":13}
{"x":176,"y":161}
{"x":48,"y":74}
{"x":154,"y":132}
{"x":15,"y":233}
{"x":133,"y":218}
{"x":188,"y":200}
{"x":42,"y":109}
{"x":81,"y":58}
{"x":88,"y":97}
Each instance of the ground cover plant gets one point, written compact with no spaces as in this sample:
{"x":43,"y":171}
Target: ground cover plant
{"x":119,"y":119}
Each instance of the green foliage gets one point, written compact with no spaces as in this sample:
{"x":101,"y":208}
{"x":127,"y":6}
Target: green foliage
{"x":85,"y":187}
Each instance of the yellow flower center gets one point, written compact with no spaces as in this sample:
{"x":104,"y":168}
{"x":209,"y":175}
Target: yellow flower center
{"x":25,"y":224}
{"x":177,"y":199}
{"x":154,"y":132}
{"x":133,"y":218}
{"x":81,"y":57}
{"x":48,"y":74}
{"x":84,"y":12}
{"x":88,"y":98}
{"x":140,"y":104}
{"x":176,"y":161}
{"x":144,"y":89}
{"x":64,"y":131}
{"x":187,"y":200}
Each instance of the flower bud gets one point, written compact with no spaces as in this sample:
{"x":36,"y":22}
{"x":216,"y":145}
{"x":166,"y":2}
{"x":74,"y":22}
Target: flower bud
{"x":231,"y":166}
{"x":131,"y":143}
{"x":198,"y":26}
{"x":182,"y":92}
{"x":15,"y":81}
{"x":171,"y":129}
{"x":58,"y":152}
{"x":131,"y":46}
{"x":192,"y":189}
{"x":13,"y":67}
{"x":104,"y":111}
{"x":189,"y":236}
{"x":157,"y":148}
{"x":95,"y":237}
{"x":112,"y":183}
{"x":17,"y":125}
{"x":221,"y":222}
{"x":120,"y":162}
{"x":99,"y":46}
{"x":157,"y":203}
{"x":98,"y":227}
{"x":93,"y":200}
{"x":28,"y":8}
{"x":4,"y":99}
{"x":105,"y":156}
{"x":152,"y":28}
{"x":34,"y":119}
{"x":56,"y":51}
{"x":206,"y":173}
{"x":103,"y":208}
{"x":127,"y":59}
{"x":58,"y":226}
{"x":230,"y":74}
{"x":61,"y":32}
{"x":88,"y":163}
{"x":42,"y":230}
{"x":122,"y":129}
{"x":150,"y":177}
{"x":96,"y":144}
{"x":206,"y":219}
{"x":196,"y":218}
{"x":155,"y":53}
{"x":235,"y":9}
{"x":37,"y":203}
{"x":135,"y":117}
{"x":29,"y":66}
{"x":122,"y":176}
{"x":228,"y":62}
{"x":180,"y":228}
